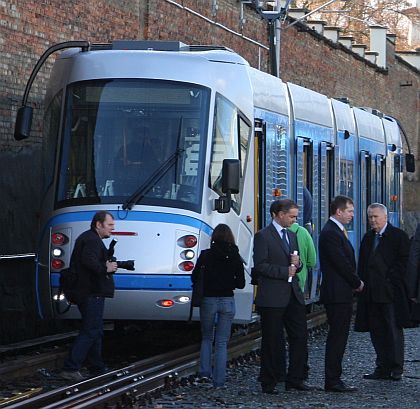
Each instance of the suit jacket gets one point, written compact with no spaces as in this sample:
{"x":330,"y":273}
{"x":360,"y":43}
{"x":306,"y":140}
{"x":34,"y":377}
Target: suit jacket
{"x":338,"y":266}
{"x":89,"y":261}
{"x":271,"y":268}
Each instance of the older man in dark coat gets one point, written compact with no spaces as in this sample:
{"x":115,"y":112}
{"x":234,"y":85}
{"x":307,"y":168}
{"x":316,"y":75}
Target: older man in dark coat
{"x":383,"y":303}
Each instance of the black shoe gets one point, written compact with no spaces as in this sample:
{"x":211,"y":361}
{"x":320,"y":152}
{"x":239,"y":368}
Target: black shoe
{"x":377,"y":376}
{"x":298,"y":387}
{"x":270,"y":391}
{"x":340,"y":387}
{"x":395,"y":376}
{"x":98,"y":371}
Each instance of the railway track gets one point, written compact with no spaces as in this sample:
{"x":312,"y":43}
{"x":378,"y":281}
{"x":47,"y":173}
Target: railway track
{"x":127,"y":386}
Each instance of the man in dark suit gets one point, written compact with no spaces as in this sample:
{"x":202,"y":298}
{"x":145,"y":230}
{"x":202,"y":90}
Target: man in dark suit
{"x":90,"y":260}
{"x":280,"y":300}
{"x":339,"y":280}
{"x":382,"y":266}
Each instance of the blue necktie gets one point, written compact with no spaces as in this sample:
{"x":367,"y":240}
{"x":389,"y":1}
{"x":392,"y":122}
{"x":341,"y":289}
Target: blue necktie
{"x":285,"y":238}
{"x":376,"y":241}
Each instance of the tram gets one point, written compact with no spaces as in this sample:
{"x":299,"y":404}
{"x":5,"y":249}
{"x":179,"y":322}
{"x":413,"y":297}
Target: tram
{"x":172,"y":140}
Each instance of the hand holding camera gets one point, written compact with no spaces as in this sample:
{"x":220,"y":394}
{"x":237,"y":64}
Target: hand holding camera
{"x":125,"y":264}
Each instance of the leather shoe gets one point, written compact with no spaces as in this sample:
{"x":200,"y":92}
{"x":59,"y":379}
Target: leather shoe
{"x":377,"y":376}
{"x":395,"y":376}
{"x":298,"y":387}
{"x":270,"y":391}
{"x":340,"y":387}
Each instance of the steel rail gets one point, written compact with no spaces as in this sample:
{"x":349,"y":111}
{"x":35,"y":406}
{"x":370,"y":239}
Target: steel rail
{"x":140,"y":378}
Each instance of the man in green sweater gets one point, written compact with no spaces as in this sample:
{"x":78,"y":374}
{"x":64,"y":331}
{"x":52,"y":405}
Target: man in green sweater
{"x":307,"y":253}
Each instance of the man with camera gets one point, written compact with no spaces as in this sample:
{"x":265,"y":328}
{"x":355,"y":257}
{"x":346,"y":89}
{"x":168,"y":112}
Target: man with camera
{"x":91,"y":260}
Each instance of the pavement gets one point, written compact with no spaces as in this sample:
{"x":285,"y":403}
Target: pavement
{"x":243,"y":391}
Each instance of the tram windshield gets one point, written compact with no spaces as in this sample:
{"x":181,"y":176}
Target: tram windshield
{"x":118,"y":133}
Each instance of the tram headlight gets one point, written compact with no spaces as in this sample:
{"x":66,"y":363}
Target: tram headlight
{"x":57,"y":252}
{"x":188,"y":254}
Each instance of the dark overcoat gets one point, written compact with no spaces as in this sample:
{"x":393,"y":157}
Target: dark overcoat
{"x":384,"y":271}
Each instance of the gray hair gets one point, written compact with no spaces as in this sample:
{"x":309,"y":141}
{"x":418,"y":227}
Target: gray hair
{"x":378,"y":206}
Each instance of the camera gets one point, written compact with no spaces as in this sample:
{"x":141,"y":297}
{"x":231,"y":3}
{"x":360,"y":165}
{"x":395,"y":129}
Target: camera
{"x":126,"y":264}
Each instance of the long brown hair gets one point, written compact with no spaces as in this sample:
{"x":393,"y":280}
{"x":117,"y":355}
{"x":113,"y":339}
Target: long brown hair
{"x":222,"y":232}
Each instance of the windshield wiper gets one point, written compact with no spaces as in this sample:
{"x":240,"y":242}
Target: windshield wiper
{"x":157,"y":175}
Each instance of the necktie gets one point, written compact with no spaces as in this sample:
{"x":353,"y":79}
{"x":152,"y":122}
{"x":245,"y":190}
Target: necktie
{"x":285,"y":238}
{"x":345,"y":233}
{"x":376,"y":241}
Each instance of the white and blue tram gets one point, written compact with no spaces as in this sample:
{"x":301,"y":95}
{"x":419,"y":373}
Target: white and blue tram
{"x":142,"y":128}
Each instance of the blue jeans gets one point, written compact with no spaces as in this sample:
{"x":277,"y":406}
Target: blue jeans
{"x":88,"y":344}
{"x":216,"y":316}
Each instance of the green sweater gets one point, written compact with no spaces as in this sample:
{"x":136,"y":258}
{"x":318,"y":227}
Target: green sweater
{"x":307,"y":252}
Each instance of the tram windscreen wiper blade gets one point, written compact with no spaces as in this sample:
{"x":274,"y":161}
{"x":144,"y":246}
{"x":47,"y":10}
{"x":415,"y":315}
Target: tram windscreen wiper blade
{"x":157,"y":175}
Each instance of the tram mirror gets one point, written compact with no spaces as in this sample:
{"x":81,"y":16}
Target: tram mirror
{"x":410,"y":162}
{"x":230,"y":175}
{"x":23,"y":123}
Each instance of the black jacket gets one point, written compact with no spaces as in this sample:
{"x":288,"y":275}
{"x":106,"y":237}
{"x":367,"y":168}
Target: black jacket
{"x":383,"y":272}
{"x":89,"y":261}
{"x":385,"y":268}
{"x":338,"y":266}
{"x":223,"y":269}
{"x":271,"y":269}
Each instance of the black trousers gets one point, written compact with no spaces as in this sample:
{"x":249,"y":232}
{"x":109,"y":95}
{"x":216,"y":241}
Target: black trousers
{"x":387,"y":338}
{"x":339,"y":317}
{"x":273,"y":345}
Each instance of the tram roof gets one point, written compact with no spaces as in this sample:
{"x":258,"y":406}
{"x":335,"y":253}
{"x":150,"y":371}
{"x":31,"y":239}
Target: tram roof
{"x":310,"y":106}
{"x":222,"y":70}
{"x":368,"y":125}
{"x":269,"y":92}
{"x":392,"y":132}
{"x":344,"y":119}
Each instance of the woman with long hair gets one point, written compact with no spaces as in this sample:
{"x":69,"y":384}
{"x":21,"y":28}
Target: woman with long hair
{"x":223,"y":271}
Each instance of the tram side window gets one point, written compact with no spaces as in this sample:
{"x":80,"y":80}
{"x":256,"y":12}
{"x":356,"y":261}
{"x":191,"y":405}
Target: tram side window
{"x":395,"y":184}
{"x":51,"y":127}
{"x":346,"y":177}
{"x":230,"y":141}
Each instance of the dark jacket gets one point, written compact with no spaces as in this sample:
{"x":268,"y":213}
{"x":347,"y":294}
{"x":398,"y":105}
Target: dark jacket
{"x":338,"y":266}
{"x":271,"y":269}
{"x":223,"y":269}
{"x":383,"y":271}
{"x":89,"y":261}
{"x":413,"y":267}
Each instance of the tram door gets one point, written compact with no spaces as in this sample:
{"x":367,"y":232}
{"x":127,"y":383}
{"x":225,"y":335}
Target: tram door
{"x":304,"y":179}
{"x":394,"y":196}
{"x":326,"y":180}
{"x":380,"y":179}
{"x":365,"y":189}
{"x":304,"y":199}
